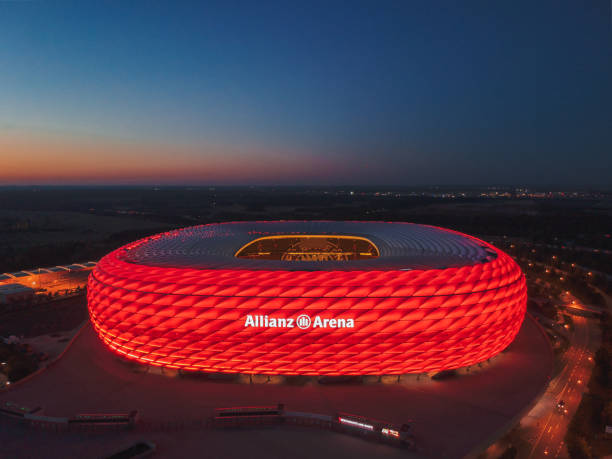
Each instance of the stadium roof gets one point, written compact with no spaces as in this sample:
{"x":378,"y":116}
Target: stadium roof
{"x":53,"y":269}
{"x":11,"y":289}
{"x":400,"y":246}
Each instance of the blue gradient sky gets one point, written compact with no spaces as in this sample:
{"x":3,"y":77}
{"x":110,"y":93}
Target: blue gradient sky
{"x":403,"y":93}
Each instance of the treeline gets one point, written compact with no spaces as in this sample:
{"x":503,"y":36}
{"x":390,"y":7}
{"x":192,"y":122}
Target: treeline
{"x":580,"y":221}
{"x":17,"y":362}
{"x":598,"y":261}
{"x":576,"y":280}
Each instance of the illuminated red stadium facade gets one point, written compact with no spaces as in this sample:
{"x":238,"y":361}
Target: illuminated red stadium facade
{"x":310,"y":298}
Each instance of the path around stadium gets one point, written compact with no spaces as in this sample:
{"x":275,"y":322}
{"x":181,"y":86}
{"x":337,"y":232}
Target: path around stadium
{"x":450,"y":417}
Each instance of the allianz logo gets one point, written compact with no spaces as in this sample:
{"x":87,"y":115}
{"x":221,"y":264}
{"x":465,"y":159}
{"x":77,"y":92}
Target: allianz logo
{"x":302,"y":321}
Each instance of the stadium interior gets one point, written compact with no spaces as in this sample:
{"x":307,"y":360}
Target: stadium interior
{"x":309,"y":248}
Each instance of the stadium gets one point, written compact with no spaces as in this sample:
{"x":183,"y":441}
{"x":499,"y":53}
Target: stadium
{"x":308,"y":298}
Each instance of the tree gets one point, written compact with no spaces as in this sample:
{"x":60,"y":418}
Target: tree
{"x":510,"y":453}
{"x":579,"y":448}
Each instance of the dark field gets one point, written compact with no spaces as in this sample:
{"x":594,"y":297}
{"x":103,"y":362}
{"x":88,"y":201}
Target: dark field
{"x":45,"y":318}
{"x":49,"y":226}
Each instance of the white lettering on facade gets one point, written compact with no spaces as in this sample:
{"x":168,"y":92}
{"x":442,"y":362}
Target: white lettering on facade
{"x":303,"y":322}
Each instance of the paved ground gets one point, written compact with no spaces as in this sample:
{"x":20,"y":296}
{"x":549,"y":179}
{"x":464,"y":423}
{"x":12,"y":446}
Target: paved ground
{"x":52,"y":344}
{"x":252,"y":444}
{"x":450,"y":417}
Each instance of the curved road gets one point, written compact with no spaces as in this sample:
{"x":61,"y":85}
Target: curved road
{"x":546,"y":435}
{"x":570,"y":384}
{"x":542,"y":431}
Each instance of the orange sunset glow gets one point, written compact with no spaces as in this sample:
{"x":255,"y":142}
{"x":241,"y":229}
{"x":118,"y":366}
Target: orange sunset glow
{"x":53,"y":158}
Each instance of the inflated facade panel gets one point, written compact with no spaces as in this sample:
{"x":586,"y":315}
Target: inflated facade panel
{"x":303,"y":317}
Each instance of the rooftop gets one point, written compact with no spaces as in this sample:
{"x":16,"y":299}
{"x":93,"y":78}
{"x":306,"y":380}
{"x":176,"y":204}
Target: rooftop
{"x":383,"y":246}
{"x":11,"y":289}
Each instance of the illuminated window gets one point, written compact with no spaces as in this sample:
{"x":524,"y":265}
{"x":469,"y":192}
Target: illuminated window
{"x":308,"y":247}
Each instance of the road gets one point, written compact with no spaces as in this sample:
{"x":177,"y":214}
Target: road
{"x":546,"y":435}
{"x":542,"y":431}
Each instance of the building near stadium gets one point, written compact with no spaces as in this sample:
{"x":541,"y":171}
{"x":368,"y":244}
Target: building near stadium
{"x":52,"y":279}
{"x":308,"y":298}
{"x":10,"y":293}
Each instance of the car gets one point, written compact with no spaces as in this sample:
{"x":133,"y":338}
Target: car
{"x":561,"y":407}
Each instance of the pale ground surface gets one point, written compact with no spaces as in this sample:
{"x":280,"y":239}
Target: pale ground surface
{"x":52,"y":344}
{"x":449,"y":417}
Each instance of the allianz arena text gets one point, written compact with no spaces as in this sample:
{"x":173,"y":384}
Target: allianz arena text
{"x":308,"y":298}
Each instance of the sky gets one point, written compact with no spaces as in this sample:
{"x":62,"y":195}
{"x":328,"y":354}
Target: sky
{"x":260,"y":93}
